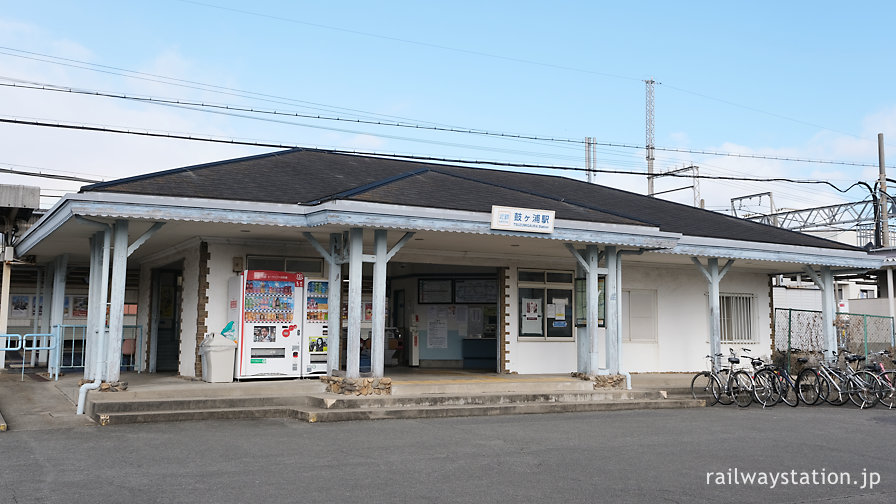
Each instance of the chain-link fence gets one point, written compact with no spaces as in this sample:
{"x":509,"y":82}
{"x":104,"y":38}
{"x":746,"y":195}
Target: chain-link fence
{"x":804,"y":330}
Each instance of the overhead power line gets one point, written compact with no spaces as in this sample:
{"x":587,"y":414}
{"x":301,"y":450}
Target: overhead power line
{"x":106,"y":129}
{"x":231,"y":109}
{"x":48,"y":175}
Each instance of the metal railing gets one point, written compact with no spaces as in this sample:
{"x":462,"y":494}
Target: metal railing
{"x":44,"y":341}
{"x":33,"y":343}
{"x":67,"y":346}
{"x":74,"y":347}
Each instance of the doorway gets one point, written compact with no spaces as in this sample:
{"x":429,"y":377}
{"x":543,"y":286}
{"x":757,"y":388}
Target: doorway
{"x":167,"y":295}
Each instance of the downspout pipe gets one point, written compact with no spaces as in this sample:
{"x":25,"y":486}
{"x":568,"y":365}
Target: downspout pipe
{"x":100,"y":359}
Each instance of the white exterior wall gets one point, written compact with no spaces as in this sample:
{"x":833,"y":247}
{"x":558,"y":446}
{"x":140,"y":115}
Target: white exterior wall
{"x":682,"y":323}
{"x":682,"y":312}
{"x":877,"y":306}
{"x":532,"y":357}
{"x":807,"y":298}
{"x":683,"y":317}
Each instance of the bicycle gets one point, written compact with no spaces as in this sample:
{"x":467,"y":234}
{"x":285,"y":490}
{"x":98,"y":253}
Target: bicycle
{"x":781,"y":387}
{"x":720,"y":385}
{"x":765,"y":383}
{"x":862,"y":387}
{"x":887,"y":395}
{"x":704,"y":382}
{"x":737,"y":387}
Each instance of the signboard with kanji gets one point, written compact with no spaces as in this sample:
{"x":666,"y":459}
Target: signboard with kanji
{"x":522,"y":219}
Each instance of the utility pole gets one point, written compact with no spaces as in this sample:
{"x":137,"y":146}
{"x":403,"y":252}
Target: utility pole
{"x":884,"y":200}
{"x":591,"y":159}
{"x":588,"y":161}
{"x":650,"y":83}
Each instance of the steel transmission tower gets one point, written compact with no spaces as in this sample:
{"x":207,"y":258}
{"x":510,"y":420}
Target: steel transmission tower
{"x":650,"y":84}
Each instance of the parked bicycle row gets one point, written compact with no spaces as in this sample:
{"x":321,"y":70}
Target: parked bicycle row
{"x":846,"y":378}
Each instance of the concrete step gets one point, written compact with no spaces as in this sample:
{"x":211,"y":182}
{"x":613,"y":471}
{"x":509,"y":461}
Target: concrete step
{"x":324,"y":408}
{"x":130,"y":417}
{"x":138,"y":405}
{"x":409,"y":387}
{"x":120,"y":403}
{"x":342,"y":415}
{"x":316,"y":415}
{"x":327,"y":401}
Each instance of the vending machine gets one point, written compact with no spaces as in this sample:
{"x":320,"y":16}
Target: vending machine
{"x":316,"y":328}
{"x":267,"y":309}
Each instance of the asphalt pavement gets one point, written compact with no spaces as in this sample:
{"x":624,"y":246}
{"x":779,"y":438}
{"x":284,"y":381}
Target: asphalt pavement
{"x":820,"y":454}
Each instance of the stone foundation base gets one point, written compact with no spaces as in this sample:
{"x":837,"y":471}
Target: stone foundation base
{"x":602,"y":381}
{"x":107,"y":386}
{"x":358,"y":386}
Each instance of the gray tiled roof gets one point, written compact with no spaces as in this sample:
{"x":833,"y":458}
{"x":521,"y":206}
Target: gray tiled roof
{"x":308,"y":177}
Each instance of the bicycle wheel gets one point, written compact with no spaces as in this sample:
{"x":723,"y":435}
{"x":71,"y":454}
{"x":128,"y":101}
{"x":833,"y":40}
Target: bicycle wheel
{"x":765,"y":388}
{"x":824,"y":388}
{"x":863,"y":389}
{"x":702,"y":387}
{"x":888,"y":392}
{"x":788,"y":390}
{"x":807,"y":386}
{"x":742,"y":388}
{"x":837,"y":393}
{"x":723,"y":395}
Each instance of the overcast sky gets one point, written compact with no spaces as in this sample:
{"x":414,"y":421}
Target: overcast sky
{"x":806,"y":80}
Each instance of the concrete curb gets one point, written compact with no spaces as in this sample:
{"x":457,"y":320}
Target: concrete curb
{"x":3,"y":425}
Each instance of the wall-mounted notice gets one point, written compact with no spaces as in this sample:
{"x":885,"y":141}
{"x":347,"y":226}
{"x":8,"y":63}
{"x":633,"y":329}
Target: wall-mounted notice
{"x":437,"y":333}
{"x":434,"y":291}
{"x":474,"y":290}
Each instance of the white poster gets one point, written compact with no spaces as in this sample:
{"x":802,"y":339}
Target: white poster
{"x":559,"y":310}
{"x":437,"y":334}
{"x":531,"y":317}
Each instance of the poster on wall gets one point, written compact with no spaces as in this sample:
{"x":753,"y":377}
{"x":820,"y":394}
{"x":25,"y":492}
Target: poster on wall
{"x":21,"y":306}
{"x":79,"y":306}
{"x":531,"y":319}
{"x":437,"y":333}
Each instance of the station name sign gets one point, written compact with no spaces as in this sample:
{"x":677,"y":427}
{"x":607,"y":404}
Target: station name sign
{"x":522,"y":219}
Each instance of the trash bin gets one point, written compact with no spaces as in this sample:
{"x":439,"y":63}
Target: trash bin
{"x":217,"y":354}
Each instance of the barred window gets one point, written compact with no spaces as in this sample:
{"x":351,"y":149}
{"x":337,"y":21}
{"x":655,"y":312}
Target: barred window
{"x":737,"y":318}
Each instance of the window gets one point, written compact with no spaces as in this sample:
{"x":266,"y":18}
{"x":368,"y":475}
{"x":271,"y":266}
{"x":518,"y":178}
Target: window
{"x":736,"y":311}
{"x":290,"y":264}
{"x":546,"y":304}
{"x":639,"y":315}
{"x":581,"y":306}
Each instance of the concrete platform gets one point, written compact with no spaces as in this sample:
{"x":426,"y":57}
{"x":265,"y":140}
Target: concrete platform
{"x":37,"y":403}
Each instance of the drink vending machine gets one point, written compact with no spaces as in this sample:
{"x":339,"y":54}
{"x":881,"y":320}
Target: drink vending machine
{"x":316,"y":333}
{"x":281,"y":324}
